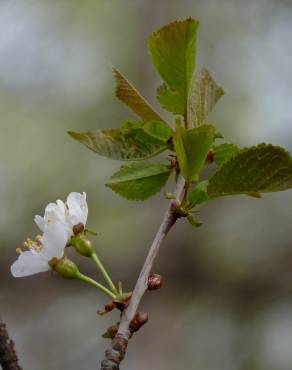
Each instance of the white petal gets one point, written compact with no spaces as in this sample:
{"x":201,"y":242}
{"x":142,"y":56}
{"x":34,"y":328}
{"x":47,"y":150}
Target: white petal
{"x":78,"y":209}
{"x":29,"y":263}
{"x":54,"y":240}
{"x":40,"y":222}
{"x":55,"y":212}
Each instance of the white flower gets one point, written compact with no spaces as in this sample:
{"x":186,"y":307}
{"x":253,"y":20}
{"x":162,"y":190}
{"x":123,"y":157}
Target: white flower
{"x":70,"y":214}
{"x":36,"y":258}
{"x":57,"y":227}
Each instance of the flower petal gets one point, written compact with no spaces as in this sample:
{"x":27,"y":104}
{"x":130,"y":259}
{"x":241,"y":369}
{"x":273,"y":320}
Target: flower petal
{"x":56,"y":212}
{"x":78,"y":209}
{"x":29,"y":263}
{"x":40,"y":221}
{"x":54,"y":240}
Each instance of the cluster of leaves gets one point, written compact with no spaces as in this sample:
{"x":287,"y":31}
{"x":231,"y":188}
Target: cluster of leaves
{"x":190,"y":96}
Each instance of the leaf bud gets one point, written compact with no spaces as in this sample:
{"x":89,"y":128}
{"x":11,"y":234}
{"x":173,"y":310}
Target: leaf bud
{"x":111,"y":332}
{"x":107,"y":308}
{"x":123,"y":301}
{"x":65,"y":267}
{"x":210,"y":156}
{"x":82,"y":245}
{"x":154,"y":282}
{"x":138,"y":321}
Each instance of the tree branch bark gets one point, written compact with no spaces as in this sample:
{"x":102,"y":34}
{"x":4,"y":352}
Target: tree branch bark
{"x":117,"y":350}
{"x":8,"y":357}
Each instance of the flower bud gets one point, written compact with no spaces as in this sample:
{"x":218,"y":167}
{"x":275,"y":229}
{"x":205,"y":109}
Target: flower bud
{"x":154,"y":282}
{"x":138,"y":321}
{"x":78,"y":229}
{"x":82,"y":245}
{"x":65,"y":267}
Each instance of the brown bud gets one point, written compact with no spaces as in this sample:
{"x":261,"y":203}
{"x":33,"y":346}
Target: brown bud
{"x":170,"y":141}
{"x":78,"y":229}
{"x":210,"y":156}
{"x":138,"y":321}
{"x":154,"y":282}
{"x":123,"y":302}
{"x":109,"y":307}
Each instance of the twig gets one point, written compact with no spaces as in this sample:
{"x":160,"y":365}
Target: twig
{"x":8,"y":357}
{"x":117,"y":350}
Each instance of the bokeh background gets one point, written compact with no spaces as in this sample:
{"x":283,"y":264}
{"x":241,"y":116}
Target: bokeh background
{"x":227,"y":299}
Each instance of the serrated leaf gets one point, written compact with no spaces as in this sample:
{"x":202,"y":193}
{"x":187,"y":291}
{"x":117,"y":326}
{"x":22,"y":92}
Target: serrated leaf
{"x":192,"y":147}
{"x":199,"y":194}
{"x":121,"y":144}
{"x":259,"y":169}
{"x":203,"y":95}
{"x":173,"y":50}
{"x":224,"y":152}
{"x":139,"y":181}
{"x":128,"y":94}
{"x":171,"y":100}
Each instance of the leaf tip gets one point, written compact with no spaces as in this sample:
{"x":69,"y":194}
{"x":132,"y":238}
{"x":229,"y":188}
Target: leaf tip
{"x":75,"y":135}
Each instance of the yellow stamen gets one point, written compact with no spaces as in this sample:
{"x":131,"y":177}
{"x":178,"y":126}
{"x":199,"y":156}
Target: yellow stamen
{"x":36,"y":244}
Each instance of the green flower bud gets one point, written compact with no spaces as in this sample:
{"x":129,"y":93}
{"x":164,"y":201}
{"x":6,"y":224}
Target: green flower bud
{"x":65,"y":267}
{"x":82,"y":245}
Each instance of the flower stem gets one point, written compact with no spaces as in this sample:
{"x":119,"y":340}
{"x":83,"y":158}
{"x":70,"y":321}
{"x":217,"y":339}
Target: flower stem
{"x":97,"y":285}
{"x":104,"y":273}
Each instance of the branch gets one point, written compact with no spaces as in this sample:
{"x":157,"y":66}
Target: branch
{"x":8,"y":357}
{"x":117,"y":350}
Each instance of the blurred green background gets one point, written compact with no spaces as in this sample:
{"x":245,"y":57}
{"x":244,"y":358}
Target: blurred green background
{"x":227,"y":299}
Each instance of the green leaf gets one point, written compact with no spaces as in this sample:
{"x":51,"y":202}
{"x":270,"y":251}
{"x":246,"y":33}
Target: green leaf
{"x":199,"y":194}
{"x":259,"y":169}
{"x":139,"y":181}
{"x":131,"y":124}
{"x":158,"y":130}
{"x":106,"y":335}
{"x":173,"y":51}
{"x":121,"y":144}
{"x":224,"y":152}
{"x":204,"y":94}
{"x":192,"y":147}
{"x":193,"y":221}
{"x":127,"y":93}
{"x":171,"y":100}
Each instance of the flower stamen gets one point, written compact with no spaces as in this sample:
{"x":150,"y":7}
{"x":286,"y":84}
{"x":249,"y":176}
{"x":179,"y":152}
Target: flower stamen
{"x":35,"y":245}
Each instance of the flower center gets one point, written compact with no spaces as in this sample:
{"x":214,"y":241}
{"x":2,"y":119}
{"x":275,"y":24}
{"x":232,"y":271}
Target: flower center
{"x":33,"y":245}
